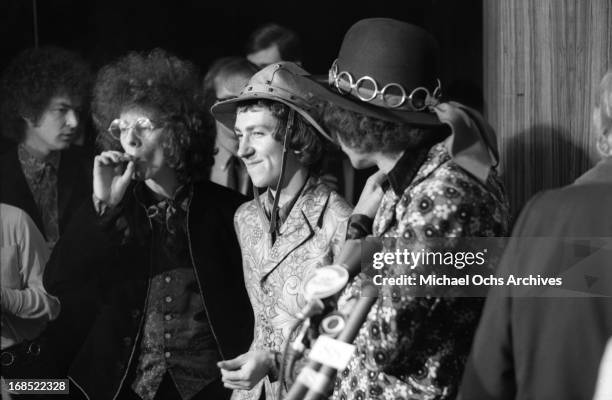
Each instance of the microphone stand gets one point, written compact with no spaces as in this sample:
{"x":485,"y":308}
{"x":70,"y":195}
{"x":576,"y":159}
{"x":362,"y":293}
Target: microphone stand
{"x":315,"y":379}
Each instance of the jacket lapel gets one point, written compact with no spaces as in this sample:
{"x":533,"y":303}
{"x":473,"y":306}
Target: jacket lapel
{"x":304,"y":219}
{"x":15,"y":189}
{"x":65,"y":184}
{"x":386,"y":215}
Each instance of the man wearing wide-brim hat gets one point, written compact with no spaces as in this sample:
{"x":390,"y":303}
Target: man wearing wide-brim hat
{"x":296,"y":225}
{"x":436,"y":181}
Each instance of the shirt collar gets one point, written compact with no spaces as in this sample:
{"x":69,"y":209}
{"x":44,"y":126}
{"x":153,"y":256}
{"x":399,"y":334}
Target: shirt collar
{"x":600,"y":173}
{"x":145,"y":197}
{"x":33,"y":163}
{"x":406,"y":168}
{"x":283,"y":212}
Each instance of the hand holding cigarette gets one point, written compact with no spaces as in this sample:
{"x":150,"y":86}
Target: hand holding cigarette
{"x":112,"y":173}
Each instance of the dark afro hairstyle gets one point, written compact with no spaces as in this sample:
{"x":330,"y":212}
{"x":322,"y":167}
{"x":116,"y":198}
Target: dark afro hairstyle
{"x":32,"y":79}
{"x":169,"y":88}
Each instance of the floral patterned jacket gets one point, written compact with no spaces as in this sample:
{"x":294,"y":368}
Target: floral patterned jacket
{"x":415,"y":347}
{"x":311,"y":237}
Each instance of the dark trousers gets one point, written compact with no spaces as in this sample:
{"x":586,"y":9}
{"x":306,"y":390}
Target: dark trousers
{"x":167,"y":391}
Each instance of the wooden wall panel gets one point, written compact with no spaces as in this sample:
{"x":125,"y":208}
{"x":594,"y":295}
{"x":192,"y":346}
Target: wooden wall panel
{"x":543,"y":60}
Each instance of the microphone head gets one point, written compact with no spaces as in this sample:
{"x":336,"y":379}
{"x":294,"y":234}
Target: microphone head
{"x":332,"y":324}
{"x":325,"y":282}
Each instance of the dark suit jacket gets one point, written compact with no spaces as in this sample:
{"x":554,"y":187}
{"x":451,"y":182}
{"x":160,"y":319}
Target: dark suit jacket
{"x":74,"y":184}
{"x":550,"y":347}
{"x":102,"y":283}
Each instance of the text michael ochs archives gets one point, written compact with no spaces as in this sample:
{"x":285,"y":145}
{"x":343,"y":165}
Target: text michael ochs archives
{"x":446,"y":268}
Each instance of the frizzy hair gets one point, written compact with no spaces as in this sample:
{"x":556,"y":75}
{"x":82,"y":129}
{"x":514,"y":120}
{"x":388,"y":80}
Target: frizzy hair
{"x":32,"y":79}
{"x":306,"y":144}
{"x":367,"y":134}
{"x":169,"y":88}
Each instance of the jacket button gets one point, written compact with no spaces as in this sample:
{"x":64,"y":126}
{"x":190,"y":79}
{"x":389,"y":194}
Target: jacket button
{"x":135,"y":313}
{"x":127,"y":341}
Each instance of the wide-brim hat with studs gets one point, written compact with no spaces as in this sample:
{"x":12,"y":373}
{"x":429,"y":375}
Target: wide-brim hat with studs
{"x":387,"y":69}
{"x":284,"y":82}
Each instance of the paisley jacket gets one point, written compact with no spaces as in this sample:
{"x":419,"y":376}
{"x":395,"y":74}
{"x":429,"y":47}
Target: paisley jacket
{"x":311,"y":237}
{"x":415,"y":347}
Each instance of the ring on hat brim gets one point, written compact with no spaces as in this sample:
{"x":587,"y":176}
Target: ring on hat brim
{"x":418,"y":118}
{"x":382,"y":57}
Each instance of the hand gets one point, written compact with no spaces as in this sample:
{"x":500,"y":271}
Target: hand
{"x":111,"y":177}
{"x":371,"y":195}
{"x":244,"y":371}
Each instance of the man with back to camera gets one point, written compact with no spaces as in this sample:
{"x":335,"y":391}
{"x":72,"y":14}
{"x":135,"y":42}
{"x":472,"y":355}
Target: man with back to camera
{"x":551,"y":345}
{"x":434,"y":185}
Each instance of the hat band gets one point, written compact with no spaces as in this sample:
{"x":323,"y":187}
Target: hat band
{"x":392,"y":95}
{"x":267,"y":91}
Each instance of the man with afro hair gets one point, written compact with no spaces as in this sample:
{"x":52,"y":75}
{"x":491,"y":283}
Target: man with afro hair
{"x":43,"y":92}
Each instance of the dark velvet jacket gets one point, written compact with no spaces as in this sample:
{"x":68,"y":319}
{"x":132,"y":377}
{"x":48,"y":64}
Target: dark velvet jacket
{"x":550,"y":347}
{"x":102,"y":281}
{"x":74,"y":185}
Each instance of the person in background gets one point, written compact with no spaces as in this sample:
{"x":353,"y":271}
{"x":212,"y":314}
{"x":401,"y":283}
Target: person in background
{"x":152,"y":270}
{"x":384,"y":109}
{"x":551,"y":347}
{"x":44,"y":92}
{"x":224,"y":80}
{"x":26,"y":306}
{"x":271,"y":43}
{"x":296,"y":225}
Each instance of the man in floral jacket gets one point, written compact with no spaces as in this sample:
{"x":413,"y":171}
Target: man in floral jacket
{"x":434,"y":185}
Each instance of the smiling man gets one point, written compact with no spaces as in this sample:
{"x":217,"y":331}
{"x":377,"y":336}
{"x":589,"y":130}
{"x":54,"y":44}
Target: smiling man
{"x":294,"y":226}
{"x":43,"y":93}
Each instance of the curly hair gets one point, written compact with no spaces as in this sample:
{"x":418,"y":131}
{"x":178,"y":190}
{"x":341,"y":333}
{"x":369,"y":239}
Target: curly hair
{"x":32,"y":79}
{"x":367,"y":134}
{"x":602,"y":115}
{"x":306,"y":144}
{"x":168,"y":86}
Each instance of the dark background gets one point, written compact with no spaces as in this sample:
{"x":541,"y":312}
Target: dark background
{"x":202,"y":30}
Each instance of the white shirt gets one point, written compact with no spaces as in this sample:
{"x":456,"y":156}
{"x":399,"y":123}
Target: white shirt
{"x":26,"y":306}
{"x":603,"y":389}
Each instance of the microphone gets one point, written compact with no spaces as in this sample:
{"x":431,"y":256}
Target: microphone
{"x":313,"y":307}
{"x":323,"y":283}
{"x":315,"y":380}
{"x":355,"y":250}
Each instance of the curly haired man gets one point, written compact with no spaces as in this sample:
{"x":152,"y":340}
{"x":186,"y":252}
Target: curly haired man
{"x":154,"y":258}
{"x":43,"y":93}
